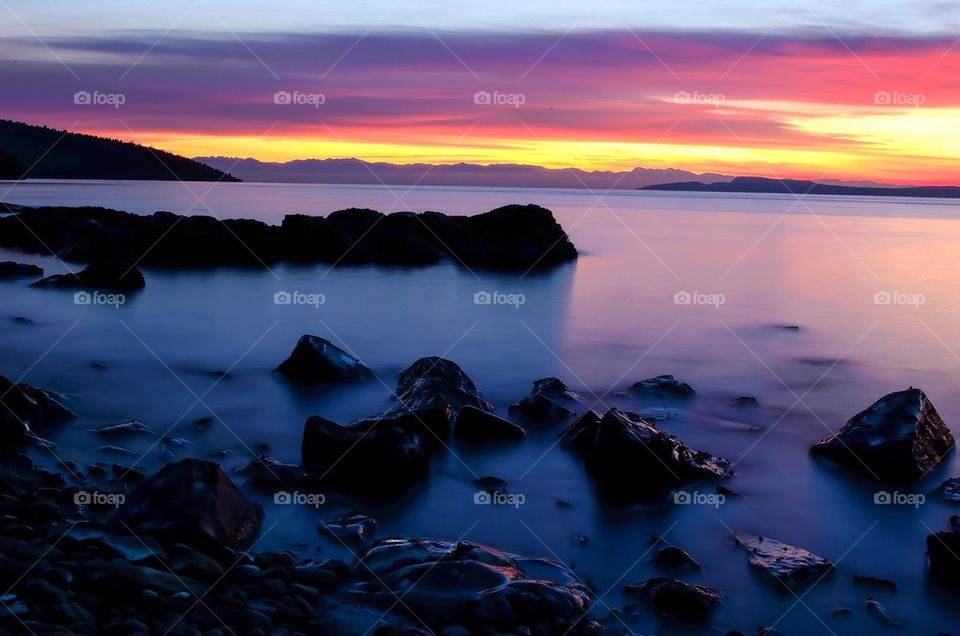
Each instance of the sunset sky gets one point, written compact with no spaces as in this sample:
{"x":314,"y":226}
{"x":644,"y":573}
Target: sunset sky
{"x":866,"y":90}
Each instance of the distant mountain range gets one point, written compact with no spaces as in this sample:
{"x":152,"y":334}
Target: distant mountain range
{"x":357,"y":171}
{"x":794,"y":186}
{"x":38,"y":152}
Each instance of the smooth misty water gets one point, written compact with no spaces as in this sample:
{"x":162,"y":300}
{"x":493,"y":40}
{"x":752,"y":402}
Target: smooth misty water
{"x":599,"y":324}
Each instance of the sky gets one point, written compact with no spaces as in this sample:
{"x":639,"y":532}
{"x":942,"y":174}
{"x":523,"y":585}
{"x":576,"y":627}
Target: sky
{"x":800,"y":89}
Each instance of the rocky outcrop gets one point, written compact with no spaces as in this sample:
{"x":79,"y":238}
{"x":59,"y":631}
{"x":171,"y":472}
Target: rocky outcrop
{"x":549,"y":402}
{"x":11,"y":269}
{"x":102,"y":274}
{"x":677,"y":600}
{"x":943,"y":551}
{"x":25,"y":409}
{"x":315,"y":360}
{"x":632,"y":460}
{"x":899,"y":439}
{"x":785,"y":563}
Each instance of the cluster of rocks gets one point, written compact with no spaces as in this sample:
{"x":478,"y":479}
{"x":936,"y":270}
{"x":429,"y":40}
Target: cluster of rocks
{"x":510,"y":237}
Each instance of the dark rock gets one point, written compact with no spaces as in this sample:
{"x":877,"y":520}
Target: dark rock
{"x":170,"y":447}
{"x":354,"y":530}
{"x":663,"y":386}
{"x":899,"y":439}
{"x":674,"y":558}
{"x":676,"y":599}
{"x":437,"y":383}
{"x":318,"y":361}
{"x":875,"y":582}
{"x":785,"y":563}
{"x":491,"y":484}
{"x":197,"y":566}
{"x":475,"y":586}
{"x":105,"y":274}
{"x":632,"y":460}
{"x":117,"y":450}
{"x":24,"y":408}
{"x":377,"y":462}
{"x":269,"y":475}
{"x":475,"y":425}
{"x":746,"y":400}
{"x":943,"y":551}
{"x":11,"y":269}
{"x":316,"y":577}
{"x":125,"y":428}
{"x":546,"y":402}
{"x":877,"y":609}
{"x":193,"y":502}
{"x":950,"y":490}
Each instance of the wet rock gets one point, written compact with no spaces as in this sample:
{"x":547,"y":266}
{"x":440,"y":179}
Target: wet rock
{"x":785,"y":563}
{"x":11,"y":269}
{"x":875,"y":608}
{"x":25,"y":409}
{"x":899,"y":439}
{"x":491,"y":484}
{"x":269,"y":475}
{"x":102,"y":274}
{"x":377,"y":462}
{"x":318,"y":361}
{"x":873,"y":581}
{"x":548,"y":402}
{"x":125,"y":428}
{"x":437,"y":383}
{"x":117,"y":450}
{"x":943,"y":551}
{"x":676,"y":599}
{"x":354,"y":530}
{"x":127,"y":474}
{"x":673,"y":558}
{"x":170,"y":447}
{"x":663,"y":386}
{"x":474,"y":586}
{"x":193,"y":502}
{"x":632,"y":460}
{"x":950,"y":490}
{"x":746,"y":401}
{"x":197,"y":566}
{"x":475,"y":425}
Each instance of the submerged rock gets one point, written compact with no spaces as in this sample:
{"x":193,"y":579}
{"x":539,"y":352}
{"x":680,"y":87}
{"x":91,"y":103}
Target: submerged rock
{"x":674,"y":558}
{"x":899,"y":439}
{"x":676,"y":599}
{"x":192,"y":502}
{"x":785,"y":563}
{"x":125,"y":428}
{"x":318,"y":361}
{"x":269,"y":475}
{"x":633,"y":460}
{"x":25,"y":409}
{"x":877,"y":609}
{"x":474,"y":586}
{"x":354,"y":530}
{"x":11,"y":269}
{"x":943,"y":551}
{"x":950,"y":490}
{"x":474,"y":425}
{"x":105,"y":274}
{"x":546,"y":402}
{"x":663,"y":386}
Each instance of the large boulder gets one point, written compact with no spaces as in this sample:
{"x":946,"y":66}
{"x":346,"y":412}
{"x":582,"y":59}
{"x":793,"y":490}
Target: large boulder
{"x":677,"y":600}
{"x":11,"y":269}
{"x":117,"y":275}
{"x":548,"y":402}
{"x":25,"y":409}
{"x":476,"y":425}
{"x":318,"y":361}
{"x":474,"y":586}
{"x":899,"y":438}
{"x":943,"y":550}
{"x":377,"y":462}
{"x":632,"y":460}
{"x":193,"y":502}
{"x":785,"y":563}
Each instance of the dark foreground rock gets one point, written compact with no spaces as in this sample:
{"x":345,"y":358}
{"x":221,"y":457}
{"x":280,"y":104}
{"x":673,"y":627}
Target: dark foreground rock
{"x":105,"y":274}
{"x":517,"y":237}
{"x":473,"y":586}
{"x":663,"y":386}
{"x":632,"y":460}
{"x":785,"y":563}
{"x":315,"y":360}
{"x":899,"y":439}
{"x":25,"y":409}
{"x":549,"y":402}
{"x":677,"y":600}
{"x":475,"y":425}
{"x":192,"y":502}
{"x":11,"y":269}
{"x":943,"y":551}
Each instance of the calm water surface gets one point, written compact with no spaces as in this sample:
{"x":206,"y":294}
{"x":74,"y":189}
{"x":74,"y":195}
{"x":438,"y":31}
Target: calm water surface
{"x":600,"y":324}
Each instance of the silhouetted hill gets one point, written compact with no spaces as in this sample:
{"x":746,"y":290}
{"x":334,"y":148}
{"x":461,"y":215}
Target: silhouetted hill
{"x":77,"y":156}
{"x":795,"y":186}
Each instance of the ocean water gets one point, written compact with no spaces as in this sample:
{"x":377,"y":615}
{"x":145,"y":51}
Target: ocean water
{"x":870,"y":282}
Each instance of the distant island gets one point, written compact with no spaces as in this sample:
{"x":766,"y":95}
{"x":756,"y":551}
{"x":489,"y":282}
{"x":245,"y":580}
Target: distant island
{"x":38,"y":152}
{"x":795,"y":186}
